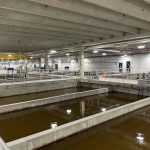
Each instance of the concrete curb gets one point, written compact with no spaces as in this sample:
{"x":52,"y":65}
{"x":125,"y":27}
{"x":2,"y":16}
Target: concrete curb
{"x":46,"y":137}
{"x":49,"y":100}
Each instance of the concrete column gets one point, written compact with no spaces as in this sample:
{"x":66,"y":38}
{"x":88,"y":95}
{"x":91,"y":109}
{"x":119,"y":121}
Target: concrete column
{"x":40,"y":63}
{"x":82,"y":108}
{"x":46,"y":61}
{"x":81,"y":62}
{"x":26,"y":65}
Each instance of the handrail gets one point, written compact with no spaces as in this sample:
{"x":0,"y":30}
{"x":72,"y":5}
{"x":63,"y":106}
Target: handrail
{"x":3,"y":145}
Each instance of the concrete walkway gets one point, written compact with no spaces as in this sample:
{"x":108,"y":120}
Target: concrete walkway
{"x":119,"y":80}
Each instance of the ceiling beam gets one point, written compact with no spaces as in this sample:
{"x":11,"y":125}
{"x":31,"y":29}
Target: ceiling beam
{"x":42,"y":10}
{"x":6,"y":14}
{"x":95,"y":11}
{"x":49,"y":35}
{"x":124,"y":7}
{"x":21,"y":26}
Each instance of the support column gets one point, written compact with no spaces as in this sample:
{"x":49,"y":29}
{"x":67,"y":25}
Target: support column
{"x":81,"y":62}
{"x":82,"y":108}
{"x":26,"y":65}
{"x":40,"y":63}
{"x":46,"y":61}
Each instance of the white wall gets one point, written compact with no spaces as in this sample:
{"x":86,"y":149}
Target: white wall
{"x":139,"y":63}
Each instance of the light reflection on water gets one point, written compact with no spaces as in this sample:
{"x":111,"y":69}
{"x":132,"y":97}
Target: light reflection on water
{"x":140,"y":138}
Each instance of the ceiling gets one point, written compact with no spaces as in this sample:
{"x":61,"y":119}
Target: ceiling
{"x":38,"y":25}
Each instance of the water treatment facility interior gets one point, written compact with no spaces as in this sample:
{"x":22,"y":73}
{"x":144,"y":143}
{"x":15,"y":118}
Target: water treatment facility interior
{"x":74,"y":74}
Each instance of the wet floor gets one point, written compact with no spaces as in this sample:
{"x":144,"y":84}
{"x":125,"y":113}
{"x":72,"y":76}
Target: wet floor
{"x":130,"y":132}
{"x":33,"y":96}
{"x":23,"y":123}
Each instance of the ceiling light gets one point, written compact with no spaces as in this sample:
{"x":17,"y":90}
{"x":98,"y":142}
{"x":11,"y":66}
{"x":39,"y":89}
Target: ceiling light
{"x":124,"y":55}
{"x":95,"y":51}
{"x":9,"y":55}
{"x":141,"y":46}
{"x":53,"y":51}
{"x":67,"y":54}
{"x":115,"y":51}
{"x":31,"y":57}
{"x":104,"y":54}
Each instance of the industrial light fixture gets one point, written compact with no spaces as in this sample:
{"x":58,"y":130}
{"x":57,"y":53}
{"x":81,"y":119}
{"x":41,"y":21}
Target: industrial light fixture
{"x":114,"y":51}
{"x":104,"y":54}
{"x":124,"y":55}
{"x":31,"y":57}
{"x":67,"y":54}
{"x":9,"y":55}
{"x":53,"y":51}
{"x":54,"y":125}
{"x":141,"y":46}
{"x":95,"y":51}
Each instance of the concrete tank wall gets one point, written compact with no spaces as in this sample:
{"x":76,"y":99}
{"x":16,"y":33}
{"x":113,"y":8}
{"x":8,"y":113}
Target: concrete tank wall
{"x":35,"y":86}
{"x":116,"y":86}
{"x":52,"y":135}
{"x":49,"y":100}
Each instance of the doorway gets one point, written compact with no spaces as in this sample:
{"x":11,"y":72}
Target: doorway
{"x":128,"y":66}
{"x":120,"y":67}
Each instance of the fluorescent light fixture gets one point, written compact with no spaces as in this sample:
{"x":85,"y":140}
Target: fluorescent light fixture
{"x":53,"y":51}
{"x":124,"y":55}
{"x":95,"y":51}
{"x":141,"y":46}
{"x":104,"y":54}
{"x":31,"y":57}
{"x":53,"y":125}
{"x":103,"y":109}
{"x":68,"y":111}
{"x":114,"y":51}
{"x":67,"y":54}
{"x":9,"y":55}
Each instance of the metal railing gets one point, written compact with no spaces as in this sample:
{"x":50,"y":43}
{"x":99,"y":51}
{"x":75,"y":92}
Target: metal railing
{"x":30,"y":76}
{"x":3,"y":145}
{"x":102,"y":74}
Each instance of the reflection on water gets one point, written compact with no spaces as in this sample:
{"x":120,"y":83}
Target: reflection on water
{"x":129,"y":132}
{"x":33,"y":96}
{"x":23,"y":123}
{"x":140,"y":138}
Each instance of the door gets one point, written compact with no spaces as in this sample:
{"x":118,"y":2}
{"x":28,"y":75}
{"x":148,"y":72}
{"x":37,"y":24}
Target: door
{"x":56,"y":67}
{"x":128,"y":66}
{"x":120,"y":67}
